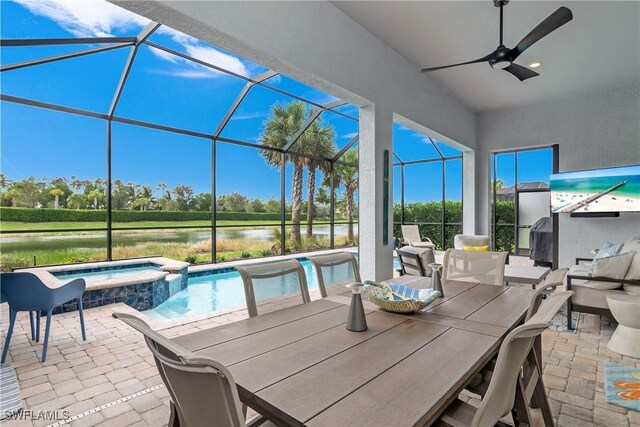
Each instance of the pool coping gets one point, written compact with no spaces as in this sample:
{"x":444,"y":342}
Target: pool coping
{"x":167,"y":265}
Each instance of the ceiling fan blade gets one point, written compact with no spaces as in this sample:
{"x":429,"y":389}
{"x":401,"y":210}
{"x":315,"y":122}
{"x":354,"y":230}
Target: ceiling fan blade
{"x":554,"y":21}
{"x":484,"y":59}
{"x":522,"y":73}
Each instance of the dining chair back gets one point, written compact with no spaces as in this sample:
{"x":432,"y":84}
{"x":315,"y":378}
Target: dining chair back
{"x":271,"y":280}
{"x":338,"y":267}
{"x":548,"y":285}
{"x":202,"y":390}
{"x":474,"y":266}
{"x":24,"y":291}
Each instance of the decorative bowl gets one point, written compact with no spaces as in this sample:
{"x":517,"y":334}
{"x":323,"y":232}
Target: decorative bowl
{"x":399,"y":298}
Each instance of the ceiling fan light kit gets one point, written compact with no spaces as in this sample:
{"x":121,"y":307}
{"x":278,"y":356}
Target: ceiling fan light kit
{"x":503,"y":57}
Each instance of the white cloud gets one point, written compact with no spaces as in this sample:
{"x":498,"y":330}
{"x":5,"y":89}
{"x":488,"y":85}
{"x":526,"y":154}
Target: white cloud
{"x":349,"y":135}
{"x":85,"y":18}
{"x":196,"y":49}
{"x":99,"y":18}
{"x":249,"y":116}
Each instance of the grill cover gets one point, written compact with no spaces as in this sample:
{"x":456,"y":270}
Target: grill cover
{"x":541,"y":241}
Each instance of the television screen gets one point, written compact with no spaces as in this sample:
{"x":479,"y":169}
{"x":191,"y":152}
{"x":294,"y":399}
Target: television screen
{"x":602,"y":190}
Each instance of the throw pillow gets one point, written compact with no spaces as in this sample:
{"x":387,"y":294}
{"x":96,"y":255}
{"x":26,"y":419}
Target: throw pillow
{"x":630,"y":245}
{"x":476,"y":248}
{"x":613,"y":267}
{"x":608,"y":249}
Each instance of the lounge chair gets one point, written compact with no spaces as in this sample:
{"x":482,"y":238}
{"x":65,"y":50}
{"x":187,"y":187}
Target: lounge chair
{"x":338,"y":267}
{"x":26,"y":292}
{"x":411,"y":237}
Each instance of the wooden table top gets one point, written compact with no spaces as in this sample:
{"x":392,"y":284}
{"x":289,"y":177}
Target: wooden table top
{"x":300,"y":366}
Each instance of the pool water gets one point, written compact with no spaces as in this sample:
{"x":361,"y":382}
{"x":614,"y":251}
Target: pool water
{"x":94,"y":276}
{"x":219,"y":291}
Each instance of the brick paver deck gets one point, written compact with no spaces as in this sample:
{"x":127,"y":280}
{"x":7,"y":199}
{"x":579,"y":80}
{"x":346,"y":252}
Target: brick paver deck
{"x":114,"y":364}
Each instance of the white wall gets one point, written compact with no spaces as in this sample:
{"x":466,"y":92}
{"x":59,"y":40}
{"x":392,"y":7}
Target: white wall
{"x":597,"y":130}
{"x":316,"y":43}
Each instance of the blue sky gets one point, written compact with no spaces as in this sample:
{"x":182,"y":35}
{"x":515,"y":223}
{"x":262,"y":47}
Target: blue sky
{"x":163,"y":89}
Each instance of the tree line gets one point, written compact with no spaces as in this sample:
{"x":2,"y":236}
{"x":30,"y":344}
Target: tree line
{"x":280,"y":127}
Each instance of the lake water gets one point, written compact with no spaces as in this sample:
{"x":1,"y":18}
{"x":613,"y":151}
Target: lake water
{"x":43,"y":241}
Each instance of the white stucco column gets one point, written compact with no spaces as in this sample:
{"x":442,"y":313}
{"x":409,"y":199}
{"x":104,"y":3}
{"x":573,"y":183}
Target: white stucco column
{"x":376,"y":258}
{"x":469,"y":188}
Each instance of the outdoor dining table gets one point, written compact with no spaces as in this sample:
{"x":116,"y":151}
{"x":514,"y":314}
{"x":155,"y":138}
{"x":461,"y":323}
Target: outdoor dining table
{"x":301,"y":366}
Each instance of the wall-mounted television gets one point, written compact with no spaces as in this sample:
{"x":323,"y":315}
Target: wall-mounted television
{"x":596,"y":191}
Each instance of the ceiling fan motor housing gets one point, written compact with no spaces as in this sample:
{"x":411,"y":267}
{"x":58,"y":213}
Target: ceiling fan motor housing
{"x":501,"y":58}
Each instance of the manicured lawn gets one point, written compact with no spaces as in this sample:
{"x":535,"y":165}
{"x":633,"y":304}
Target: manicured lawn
{"x":27,"y":226}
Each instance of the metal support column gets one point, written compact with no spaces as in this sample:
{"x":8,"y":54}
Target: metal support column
{"x":283,"y":204}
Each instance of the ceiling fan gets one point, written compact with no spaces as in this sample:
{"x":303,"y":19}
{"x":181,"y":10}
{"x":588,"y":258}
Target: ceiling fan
{"x":503,"y":58}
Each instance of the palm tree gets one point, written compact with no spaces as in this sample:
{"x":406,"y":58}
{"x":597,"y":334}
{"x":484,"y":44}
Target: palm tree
{"x":280,"y":127}
{"x":95,"y":195}
{"x":13,"y":194}
{"x":348,"y":176}
{"x":142,"y":203}
{"x":317,"y":140}
{"x":76,"y":199}
{"x":56,"y":193}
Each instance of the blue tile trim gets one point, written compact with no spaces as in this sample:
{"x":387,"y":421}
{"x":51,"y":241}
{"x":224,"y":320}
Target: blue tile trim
{"x":221,"y":270}
{"x":101,"y":269}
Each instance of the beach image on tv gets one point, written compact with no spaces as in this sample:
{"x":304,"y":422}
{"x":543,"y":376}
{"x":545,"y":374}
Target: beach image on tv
{"x":604,"y":190}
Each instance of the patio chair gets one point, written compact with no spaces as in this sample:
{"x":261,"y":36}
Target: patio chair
{"x":415,"y":261}
{"x":480,"y":381}
{"x":31,"y":315}
{"x":411,"y":237}
{"x":267,"y":280}
{"x":339,"y":267}
{"x":474,"y":266}
{"x":202,"y":390}
{"x":509,"y":391}
{"x":26,"y":292}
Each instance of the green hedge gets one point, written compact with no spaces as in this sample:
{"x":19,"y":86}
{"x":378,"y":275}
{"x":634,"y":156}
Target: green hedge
{"x":432,"y":212}
{"x":100,"y":215}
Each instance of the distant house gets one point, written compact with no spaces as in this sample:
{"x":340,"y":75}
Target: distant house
{"x":508,"y":193}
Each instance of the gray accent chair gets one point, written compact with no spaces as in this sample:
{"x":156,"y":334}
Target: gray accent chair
{"x":508,"y":390}
{"x":415,"y":261}
{"x":462,"y":240}
{"x":258,"y":278}
{"x":335,"y":268}
{"x":591,"y":291}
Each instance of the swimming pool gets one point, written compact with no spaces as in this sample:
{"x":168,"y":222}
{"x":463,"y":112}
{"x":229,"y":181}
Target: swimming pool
{"x":224,"y":289}
{"x":108,"y":273}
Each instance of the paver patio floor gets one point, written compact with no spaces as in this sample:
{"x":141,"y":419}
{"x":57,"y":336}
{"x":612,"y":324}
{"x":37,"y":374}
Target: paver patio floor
{"x":114,"y":364}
